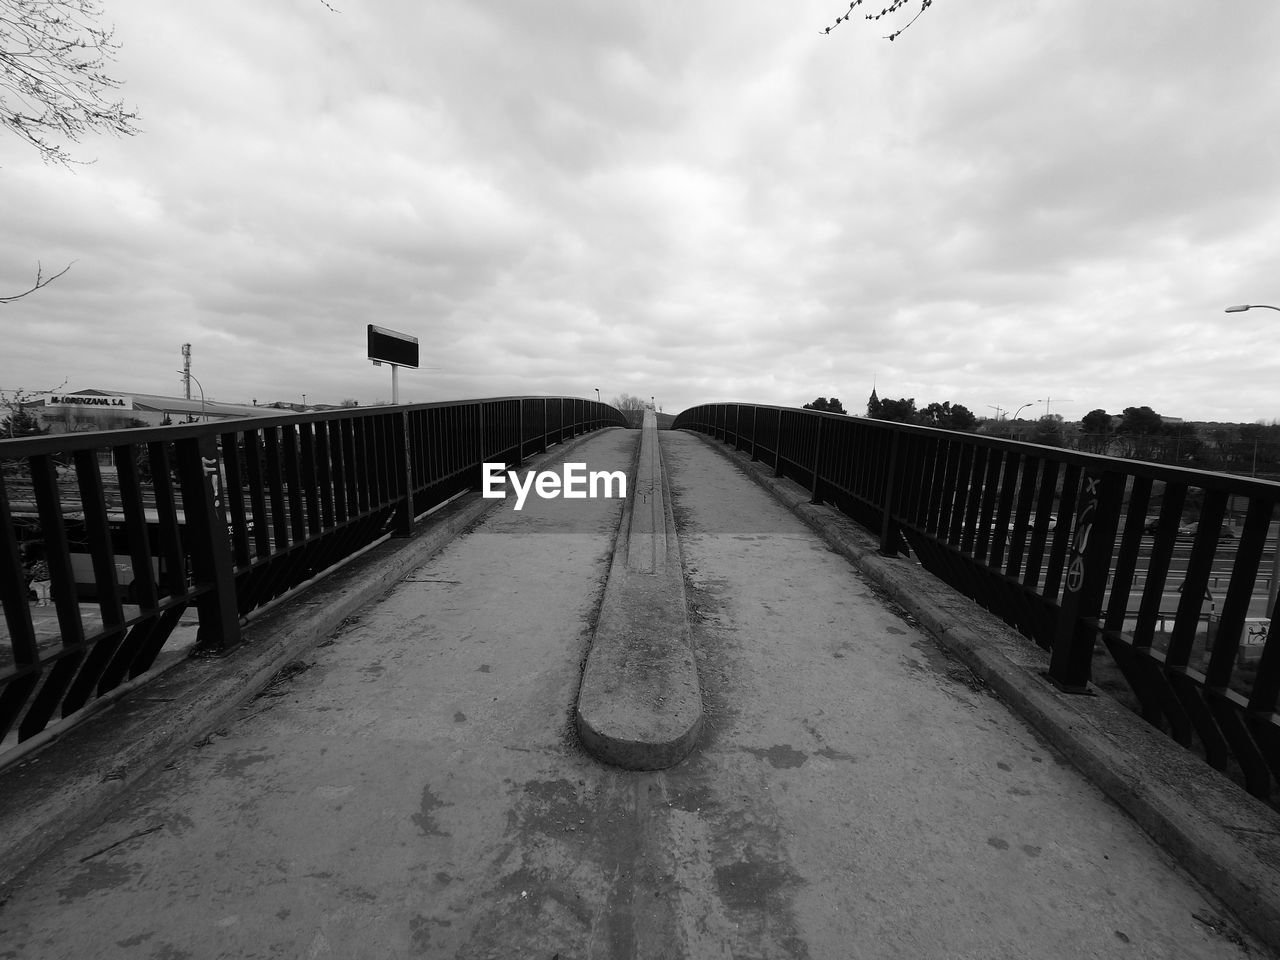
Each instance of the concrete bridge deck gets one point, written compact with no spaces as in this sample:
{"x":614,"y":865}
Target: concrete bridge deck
{"x":412,"y":785}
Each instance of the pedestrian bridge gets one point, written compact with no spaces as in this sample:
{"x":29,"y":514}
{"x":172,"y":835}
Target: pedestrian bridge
{"x":302,"y":690}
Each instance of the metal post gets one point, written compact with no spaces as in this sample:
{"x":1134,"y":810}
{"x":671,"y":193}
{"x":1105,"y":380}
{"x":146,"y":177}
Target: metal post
{"x":403,"y":525}
{"x":888,"y":527}
{"x":210,"y":552}
{"x":817,"y":460}
{"x":520,"y":429}
{"x":1097,"y":518}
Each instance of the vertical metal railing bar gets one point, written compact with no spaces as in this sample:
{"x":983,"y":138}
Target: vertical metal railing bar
{"x":1158,"y":565}
{"x":233,"y":494}
{"x":169,"y":547}
{"x":1046,"y":492}
{"x":402,"y":460}
{"x":1009,"y":474}
{"x":275,"y":489}
{"x":370,"y":458}
{"x":310,"y":482}
{"x":16,"y":683}
{"x":350,"y":469}
{"x":206,"y":538}
{"x":1195,"y":583}
{"x":1027,"y":479}
{"x":1094,"y":525}
{"x":1127,"y":556}
{"x":889,"y":532}
{"x":815,"y":492}
{"x":944,"y":493}
{"x":324,"y":474}
{"x":442,"y":457}
{"x":256,"y":481}
{"x":358,"y":464}
{"x":132,"y":503}
{"x":987,"y":505}
{"x":97,"y":535}
{"x":1235,"y":607}
{"x":1062,"y":534}
{"x":929,"y":476}
{"x":375,"y":459}
{"x":293,"y":483}
{"x":855,"y":463}
{"x":958,"y":491}
{"x":44,"y":483}
{"x":1263,"y":700}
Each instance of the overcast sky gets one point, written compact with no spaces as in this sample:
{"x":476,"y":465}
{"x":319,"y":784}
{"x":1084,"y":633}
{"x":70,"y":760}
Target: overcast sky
{"x":696,"y":201}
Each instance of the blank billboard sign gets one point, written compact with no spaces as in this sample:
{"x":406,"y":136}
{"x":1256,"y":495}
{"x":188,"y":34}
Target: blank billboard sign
{"x":389,"y":346}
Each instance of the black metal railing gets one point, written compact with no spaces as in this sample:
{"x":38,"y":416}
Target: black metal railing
{"x":134,"y":527}
{"x":1172,"y":570}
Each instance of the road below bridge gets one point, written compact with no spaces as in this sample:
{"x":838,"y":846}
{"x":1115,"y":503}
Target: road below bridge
{"x":413,"y":786}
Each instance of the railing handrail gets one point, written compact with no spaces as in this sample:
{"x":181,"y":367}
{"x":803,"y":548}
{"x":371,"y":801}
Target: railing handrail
{"x":82,"y":439}
{"x":1144,"y":468}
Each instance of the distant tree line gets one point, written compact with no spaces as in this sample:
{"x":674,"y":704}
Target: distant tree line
{"x":945,"y":415}
{"x":1140,"y":433}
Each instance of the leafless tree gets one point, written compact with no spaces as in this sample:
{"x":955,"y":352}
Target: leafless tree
{"x":15,"y":401}
{"x":52,"y":85}
{"x":627,"y":402}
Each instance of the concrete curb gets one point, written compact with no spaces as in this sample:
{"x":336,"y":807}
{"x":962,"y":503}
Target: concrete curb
{"x":1226,"y":839}
{"x":71,"y":784}
{"x":640,"y":703}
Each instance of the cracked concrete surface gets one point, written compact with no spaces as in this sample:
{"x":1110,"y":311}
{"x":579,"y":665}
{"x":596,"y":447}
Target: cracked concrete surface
{"x":417,"y":791}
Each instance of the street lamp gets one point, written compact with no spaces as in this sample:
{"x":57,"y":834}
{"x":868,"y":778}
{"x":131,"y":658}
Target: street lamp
{"x":1273,"y":588}
{"x":1023,"y":407}
{"x":597,"y":394}
{"x":188,"y":373}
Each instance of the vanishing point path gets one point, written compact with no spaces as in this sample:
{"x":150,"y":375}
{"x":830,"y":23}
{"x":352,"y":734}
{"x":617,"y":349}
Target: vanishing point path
{"x":415,"y":788}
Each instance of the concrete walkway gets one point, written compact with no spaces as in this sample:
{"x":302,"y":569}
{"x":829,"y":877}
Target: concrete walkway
{"x":414,"y":787}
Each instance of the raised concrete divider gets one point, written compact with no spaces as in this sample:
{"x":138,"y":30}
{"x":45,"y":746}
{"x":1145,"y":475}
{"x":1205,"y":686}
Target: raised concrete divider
{"x":640,"y":703}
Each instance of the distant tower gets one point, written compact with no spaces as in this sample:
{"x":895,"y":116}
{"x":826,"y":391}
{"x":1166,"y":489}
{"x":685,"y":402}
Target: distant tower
{"x":186,"y":369}
{"x":873,"y":403}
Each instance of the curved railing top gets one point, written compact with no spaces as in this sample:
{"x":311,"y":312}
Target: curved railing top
{"x":56,"y":442}
{"x":1243,"y":486}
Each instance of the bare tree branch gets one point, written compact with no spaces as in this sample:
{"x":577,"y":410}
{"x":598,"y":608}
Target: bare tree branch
{"x":52,"y":84}
{"x":40,"y":282}
{"x":14,"y":401}
{"x":893,"y":7}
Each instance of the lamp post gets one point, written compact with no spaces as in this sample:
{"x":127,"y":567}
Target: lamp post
{"x":1273,"y":588}
{"x":1021,"y":408}
{"x":188,"y":373}
{"x":597,"y":394}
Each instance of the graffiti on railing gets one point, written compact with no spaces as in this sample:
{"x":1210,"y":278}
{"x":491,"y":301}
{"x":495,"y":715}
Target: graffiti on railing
{"x":1084,"y":526}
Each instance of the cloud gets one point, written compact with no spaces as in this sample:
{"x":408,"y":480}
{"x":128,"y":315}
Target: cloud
{"x":1005,"y":203}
